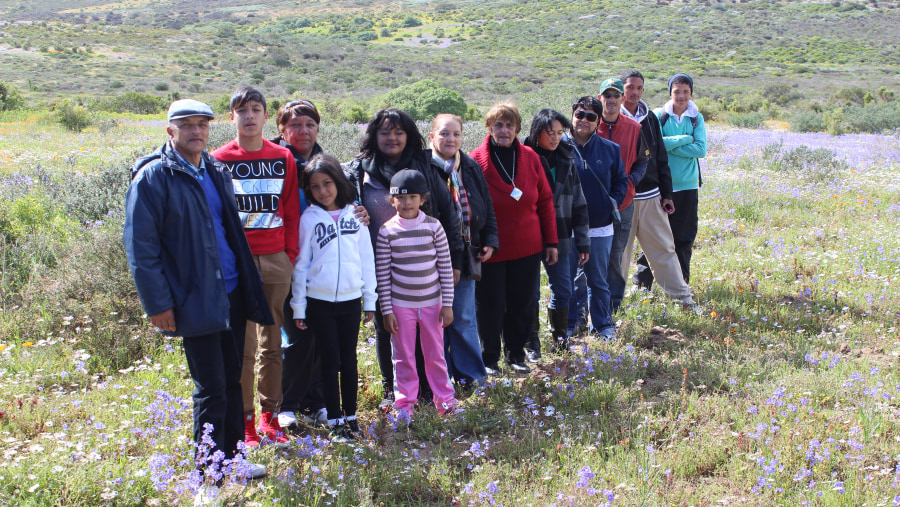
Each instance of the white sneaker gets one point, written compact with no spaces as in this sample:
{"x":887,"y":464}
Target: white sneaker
{"x":256,"y":471}
{"x":317,"y":420}
{"x":208,"y":496}
{"x":288,"y":420}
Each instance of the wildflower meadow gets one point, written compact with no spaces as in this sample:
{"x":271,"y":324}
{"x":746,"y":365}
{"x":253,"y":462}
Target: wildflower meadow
{"x":784,"y":390}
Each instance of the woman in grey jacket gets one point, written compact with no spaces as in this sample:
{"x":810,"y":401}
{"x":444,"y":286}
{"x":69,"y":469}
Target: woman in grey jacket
{"x":547,"y":130}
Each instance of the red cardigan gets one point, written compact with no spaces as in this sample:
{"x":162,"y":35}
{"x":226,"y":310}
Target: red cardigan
{"x":625,"y":133}
{"x":528,"y":225}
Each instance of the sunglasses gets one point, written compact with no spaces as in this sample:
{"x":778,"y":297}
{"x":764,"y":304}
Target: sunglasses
{"x":294,"y":103}
{"x":611,"y":95}
{"x":586,"y":115}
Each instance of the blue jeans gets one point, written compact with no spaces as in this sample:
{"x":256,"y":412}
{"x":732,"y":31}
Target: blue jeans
{"x":594,"y":273}
{"x":559,"y":276}
{"x":462,"y":349}
{"x":614,"y":271}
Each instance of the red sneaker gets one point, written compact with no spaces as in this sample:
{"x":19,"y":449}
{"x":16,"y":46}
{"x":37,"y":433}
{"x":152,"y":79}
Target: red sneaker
{"x":269,"y":427}
{"x":251,"y":438}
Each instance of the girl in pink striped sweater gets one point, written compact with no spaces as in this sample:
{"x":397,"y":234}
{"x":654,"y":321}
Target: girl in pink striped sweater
{"x":415,"y":287}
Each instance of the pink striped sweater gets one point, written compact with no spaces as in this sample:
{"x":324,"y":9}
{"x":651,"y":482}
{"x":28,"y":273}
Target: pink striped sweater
{"x":412,"y":263}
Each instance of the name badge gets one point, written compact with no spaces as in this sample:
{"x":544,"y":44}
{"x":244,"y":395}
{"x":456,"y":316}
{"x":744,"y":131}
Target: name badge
{"x":516,"y":193}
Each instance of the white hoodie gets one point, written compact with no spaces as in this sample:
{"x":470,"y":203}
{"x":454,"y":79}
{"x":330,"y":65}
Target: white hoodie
{"x":336,"y":260}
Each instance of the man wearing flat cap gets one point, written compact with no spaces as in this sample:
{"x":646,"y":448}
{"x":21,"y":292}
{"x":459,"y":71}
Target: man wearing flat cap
{"x":193,"y":270}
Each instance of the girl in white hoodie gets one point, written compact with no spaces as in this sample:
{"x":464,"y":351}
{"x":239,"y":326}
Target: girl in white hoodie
{"x":334,"y":269}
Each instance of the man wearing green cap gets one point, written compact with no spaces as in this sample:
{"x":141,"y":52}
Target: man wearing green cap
{"x":193,"y":271}
{"x":625,"y":132}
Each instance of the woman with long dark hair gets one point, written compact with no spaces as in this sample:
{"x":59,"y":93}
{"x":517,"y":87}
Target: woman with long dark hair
{"x":391,"y":143}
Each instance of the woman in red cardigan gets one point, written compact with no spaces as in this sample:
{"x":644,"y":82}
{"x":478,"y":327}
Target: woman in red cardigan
{"x":523,"y":205}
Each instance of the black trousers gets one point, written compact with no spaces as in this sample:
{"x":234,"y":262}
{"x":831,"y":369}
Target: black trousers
{"x":214,"y":361}
{"x":504,"y":306}
{"x":684,"y":223}
{"x":301,"y":376}
{"x":336,"y":328}
{"x":385,"y":354}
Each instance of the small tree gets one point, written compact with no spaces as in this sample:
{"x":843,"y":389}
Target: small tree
{"x":424,"y":99}
{"x":10,"y":98}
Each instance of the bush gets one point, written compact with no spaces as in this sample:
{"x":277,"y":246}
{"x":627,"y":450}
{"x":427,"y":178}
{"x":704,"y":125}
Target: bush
{"x":752,"y":120}
{"x":10,"y":98}
{"x":131,"y":102}
{"x":871,"y":118}
{"x":161,"y":87}
{"x":424,"y":99}
{"x":365,"y":36}
{"x":410,"y":22}
{"x":74,"y":117}
{"x":808,"y":121}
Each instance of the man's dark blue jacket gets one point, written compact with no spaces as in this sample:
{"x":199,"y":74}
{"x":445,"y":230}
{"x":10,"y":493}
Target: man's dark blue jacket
{"x":171,"y":245}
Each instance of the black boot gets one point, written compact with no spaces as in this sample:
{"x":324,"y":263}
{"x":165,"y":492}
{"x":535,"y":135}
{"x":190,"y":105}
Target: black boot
{"x":559,"y":320}
{"x":533,"y":345}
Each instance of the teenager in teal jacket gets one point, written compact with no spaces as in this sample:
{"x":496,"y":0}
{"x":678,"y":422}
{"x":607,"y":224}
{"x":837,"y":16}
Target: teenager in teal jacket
{"x":684,"y":134}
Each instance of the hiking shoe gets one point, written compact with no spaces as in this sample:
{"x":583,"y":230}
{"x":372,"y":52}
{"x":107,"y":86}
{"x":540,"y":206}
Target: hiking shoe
{"x":453,"y":410}
{"x":493,"y":370}
{"x":288,"y":420}
{"x":353,"y":425}
{"x":269,"y":427}
{"x":251,"y":438}
{"x":316,"y":419}
{"x":519,"y":366}
{"x":692,"y":307}
{"x":387,"y":402}
{"x":532,"y":356}
{"x":340,"y":434}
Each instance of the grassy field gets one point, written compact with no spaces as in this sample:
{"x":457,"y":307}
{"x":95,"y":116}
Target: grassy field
{"x":755,"y":59}
{"x":784,"y":391}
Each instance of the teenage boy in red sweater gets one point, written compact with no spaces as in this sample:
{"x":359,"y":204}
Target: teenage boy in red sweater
{"x":265,"y":185}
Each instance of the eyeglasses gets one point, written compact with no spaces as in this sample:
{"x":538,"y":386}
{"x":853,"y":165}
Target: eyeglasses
{"x":294,"y":103}
{"x":586,"y":115}
{"x":611,"y":95}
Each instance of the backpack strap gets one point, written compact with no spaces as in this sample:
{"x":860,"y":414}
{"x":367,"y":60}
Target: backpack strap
{"x":664,"y":117}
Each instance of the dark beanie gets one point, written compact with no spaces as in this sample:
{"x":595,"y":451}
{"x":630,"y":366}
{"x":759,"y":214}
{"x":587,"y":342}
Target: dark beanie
{"x":689,"y":80}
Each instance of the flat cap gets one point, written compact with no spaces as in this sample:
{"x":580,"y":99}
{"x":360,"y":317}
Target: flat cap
{"x":189,"y":107}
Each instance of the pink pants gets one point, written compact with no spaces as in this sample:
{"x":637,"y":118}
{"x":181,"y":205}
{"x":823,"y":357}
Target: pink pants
{"x":432,"y":335}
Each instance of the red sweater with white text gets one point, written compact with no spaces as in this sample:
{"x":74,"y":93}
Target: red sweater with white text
{"x":268,"y":196}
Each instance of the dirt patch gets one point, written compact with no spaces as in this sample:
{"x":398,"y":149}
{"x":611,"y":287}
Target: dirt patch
{"x":661,"y":337}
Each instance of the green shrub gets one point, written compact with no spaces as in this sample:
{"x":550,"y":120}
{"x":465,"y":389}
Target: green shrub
{"x":872,"y":118}
{"x":131,"y":102}
{"x":424,"y":99}
{"x":74,"y":117}
{"x":752,"y":120}
{"x":365,"y":36}
{"x":808,"y":121}
{"x":10,"y":98}
{"x":161,"y":87}
{"x":410,"y":22}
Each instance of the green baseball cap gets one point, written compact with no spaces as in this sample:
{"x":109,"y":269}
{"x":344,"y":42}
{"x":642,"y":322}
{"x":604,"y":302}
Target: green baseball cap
{"x":614,"y":84}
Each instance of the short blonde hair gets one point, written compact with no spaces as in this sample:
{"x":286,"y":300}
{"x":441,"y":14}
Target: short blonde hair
{"x":446,"y":116}
{"x":503,"y":111}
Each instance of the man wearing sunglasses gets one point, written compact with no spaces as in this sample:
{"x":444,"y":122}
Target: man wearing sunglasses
{"x":626,"y":133}
{"x":604,"y":184}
